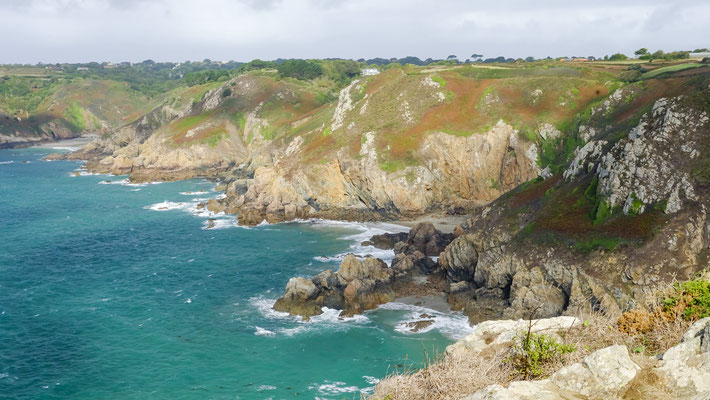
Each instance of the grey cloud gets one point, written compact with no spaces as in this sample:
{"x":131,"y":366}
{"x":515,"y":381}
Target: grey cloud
{"x":119,"y":30}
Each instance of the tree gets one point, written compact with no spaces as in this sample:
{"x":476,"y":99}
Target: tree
{"x":529,"y":59}
{"x":641,"y":51}
{"x":618,"y":57}
{"x":476,"y":57}
{"x":451,"y":57}
{"x":658,"y":54}
{"x":410,"y":60}
{"x":300,"y":69}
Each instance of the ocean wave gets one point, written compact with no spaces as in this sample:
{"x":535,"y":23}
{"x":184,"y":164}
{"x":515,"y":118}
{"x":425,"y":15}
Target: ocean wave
{"x":83,"y":172}
{"x":7,"y":162}
{"x":223,"y":223}
{"x":170,"y":205}
{"x":453,"y":325}
{"x":334,"y":388}
{"x":371,"y":380}
{"x":263,"y":332}
{"x":194,"y":193}
{"x":329,"y":319}
{"x":366,"y":230}
{"x":126,"y":182}
{"x":188,"y":206}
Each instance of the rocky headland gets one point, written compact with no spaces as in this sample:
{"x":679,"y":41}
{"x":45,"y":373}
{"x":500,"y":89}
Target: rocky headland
{"x":581,"y":192}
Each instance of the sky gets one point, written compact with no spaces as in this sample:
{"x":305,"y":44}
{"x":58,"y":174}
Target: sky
{"x":52,"y":31}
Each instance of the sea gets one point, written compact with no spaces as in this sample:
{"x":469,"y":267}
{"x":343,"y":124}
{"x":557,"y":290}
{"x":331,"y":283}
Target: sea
{"x":116,"y":290}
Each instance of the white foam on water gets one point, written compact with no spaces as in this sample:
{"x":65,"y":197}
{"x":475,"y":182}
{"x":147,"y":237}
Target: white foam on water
{"x":330,"y":318}
{"x":334,"y":388}
{"x":223,"y":224}
{"x":366,"y":230}
{"x":7,"y":162}
{"x":126,"y":182}
{"x":194,"y":193}
{"x":371,"y":380}
{"x":263,"y":332}
{"x":265,"y":387}
{"x":453,"y":325}
{"x":83,"y":172}
{"x":169,"y":205}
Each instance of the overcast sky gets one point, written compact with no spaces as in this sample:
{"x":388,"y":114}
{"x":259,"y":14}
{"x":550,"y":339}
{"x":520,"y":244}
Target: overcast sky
{"x":177,"y":30}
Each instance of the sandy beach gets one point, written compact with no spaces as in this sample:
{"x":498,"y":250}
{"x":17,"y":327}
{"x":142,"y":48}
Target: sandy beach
{"x":69,"y":144}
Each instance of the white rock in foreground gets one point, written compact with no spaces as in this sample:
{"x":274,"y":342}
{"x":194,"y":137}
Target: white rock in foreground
{"x":491,"y":333}
{"x":603,"y":374}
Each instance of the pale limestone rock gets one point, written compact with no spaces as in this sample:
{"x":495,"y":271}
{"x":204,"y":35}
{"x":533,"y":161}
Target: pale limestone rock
{"x":490,"y":333}
{"x":345,"y":104}
{"x":643,"y":167}
{"x":585,"y":159}
{"x":686,"y":365}
{"x":548,"y":131}
{"x":602,"y":375}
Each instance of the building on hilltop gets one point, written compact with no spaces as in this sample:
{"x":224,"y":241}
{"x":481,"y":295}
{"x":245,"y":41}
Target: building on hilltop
{"x":370,"y":71}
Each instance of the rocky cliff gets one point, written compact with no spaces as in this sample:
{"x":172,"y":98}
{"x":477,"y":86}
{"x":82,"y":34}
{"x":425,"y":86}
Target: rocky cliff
{"x":609,"y":372}
{"x":627,"y":212}
{"x":402,"y":143}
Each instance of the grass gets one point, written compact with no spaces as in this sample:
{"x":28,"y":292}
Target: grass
{"x":75,"y":116}
{"x":185,"y":124}
{"x":646,"y":331}
{"x":438,"y":79}
{"x":673,"y":68}
{"x":564,"y":213}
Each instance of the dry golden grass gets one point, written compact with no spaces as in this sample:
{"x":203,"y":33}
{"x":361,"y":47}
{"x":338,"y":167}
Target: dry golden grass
{"x":447,"y":378}
{"x":646,"y":331}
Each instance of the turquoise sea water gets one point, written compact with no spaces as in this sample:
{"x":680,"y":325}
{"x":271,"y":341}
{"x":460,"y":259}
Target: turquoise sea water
{"x":115,"y":291}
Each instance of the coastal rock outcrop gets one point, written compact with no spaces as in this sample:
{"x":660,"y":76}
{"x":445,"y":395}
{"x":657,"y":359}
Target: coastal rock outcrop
{"x":603,"y":374}
{"x":683,"y":372}
{"x":363,"y":284}
{"x":358,"y":285}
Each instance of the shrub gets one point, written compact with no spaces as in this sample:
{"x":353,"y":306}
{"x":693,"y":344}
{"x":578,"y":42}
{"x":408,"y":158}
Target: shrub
{"x":691,"y":300}
{"x":618,"y":57}
{"x":531,"y":352}
{"x":300,"y":69}
{"x":75,"y":116}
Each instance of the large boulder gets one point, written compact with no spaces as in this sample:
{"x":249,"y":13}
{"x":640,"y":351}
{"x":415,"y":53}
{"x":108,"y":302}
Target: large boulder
{"x":603,"y":374}
{"x":531,"y":294}
{"x":686,"y":366}
{"x":299,"y":298}
{"x":358,"y":285}
{"x":491,"y":333}
{"x":386,"y":241}
{"x":459,"y":260}
{"x":371,"y":268}
{"x":426,"y":239}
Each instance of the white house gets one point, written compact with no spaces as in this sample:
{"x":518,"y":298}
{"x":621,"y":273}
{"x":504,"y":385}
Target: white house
{"x":370,"y":71}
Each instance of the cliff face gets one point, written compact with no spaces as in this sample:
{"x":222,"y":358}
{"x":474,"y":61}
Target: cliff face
{"x":456,"y":173}
{"x":69,"y":109}
{"x":626,"y":216}
{"x":399,"y":144}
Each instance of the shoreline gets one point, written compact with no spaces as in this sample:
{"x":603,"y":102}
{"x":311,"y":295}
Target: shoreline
{"x":66,"y":144}
{"x":445,"y":223}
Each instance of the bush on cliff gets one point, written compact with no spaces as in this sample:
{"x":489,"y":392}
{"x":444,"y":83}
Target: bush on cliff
{"x":531,"y":352}
{"x":300,"y":69}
